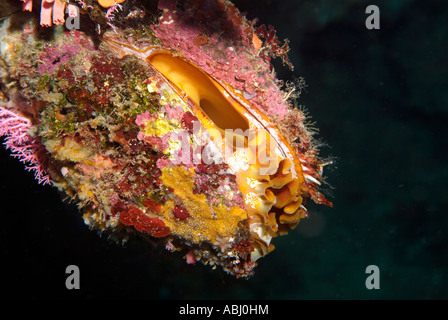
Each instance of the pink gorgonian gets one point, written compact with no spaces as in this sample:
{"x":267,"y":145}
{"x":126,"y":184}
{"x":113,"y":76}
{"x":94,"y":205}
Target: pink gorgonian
{"x":27,"y":148}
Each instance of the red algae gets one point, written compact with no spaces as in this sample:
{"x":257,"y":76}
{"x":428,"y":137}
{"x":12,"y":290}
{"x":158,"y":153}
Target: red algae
{"x":180,"y":212}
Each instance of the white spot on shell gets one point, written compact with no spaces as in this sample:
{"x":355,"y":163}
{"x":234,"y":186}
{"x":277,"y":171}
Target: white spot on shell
{"x":312,"y":179}
{"x":251,"y":199}
{"x":64,"y":171}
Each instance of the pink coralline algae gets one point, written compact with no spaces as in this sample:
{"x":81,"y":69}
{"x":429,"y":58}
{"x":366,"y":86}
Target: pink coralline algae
{"x":166,"y":122}
{"x":231,"y":59}
{"x":55,"y":56}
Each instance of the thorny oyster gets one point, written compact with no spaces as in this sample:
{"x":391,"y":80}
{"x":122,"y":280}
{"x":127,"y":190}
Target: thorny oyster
{"x":176,"y":130}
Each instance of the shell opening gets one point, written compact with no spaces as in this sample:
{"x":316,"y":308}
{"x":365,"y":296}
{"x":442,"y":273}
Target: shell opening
{"x":199,"y":87}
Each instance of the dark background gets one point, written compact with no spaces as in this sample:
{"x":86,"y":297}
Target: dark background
{"x":379,"y":100}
